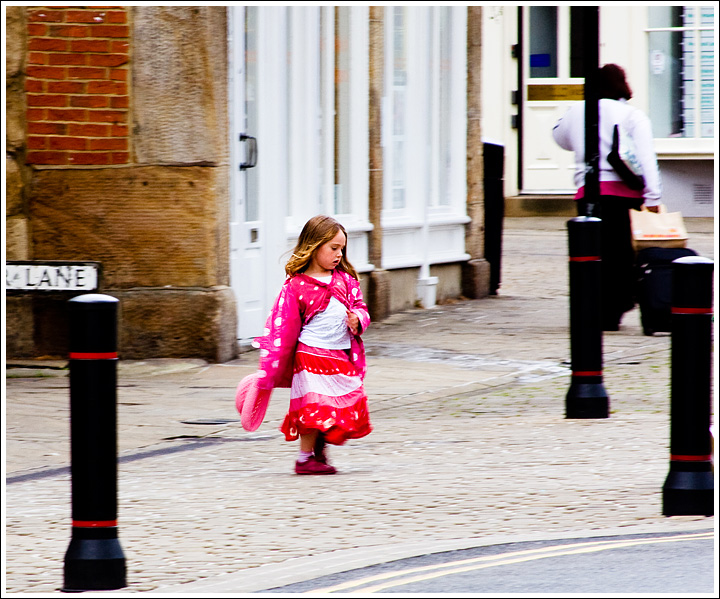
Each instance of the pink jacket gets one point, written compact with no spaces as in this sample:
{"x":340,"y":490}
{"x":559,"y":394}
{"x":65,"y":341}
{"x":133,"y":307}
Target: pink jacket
{"x":301,"y":298}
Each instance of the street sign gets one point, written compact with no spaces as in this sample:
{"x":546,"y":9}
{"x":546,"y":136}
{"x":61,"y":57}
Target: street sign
{"x":52,"y":276}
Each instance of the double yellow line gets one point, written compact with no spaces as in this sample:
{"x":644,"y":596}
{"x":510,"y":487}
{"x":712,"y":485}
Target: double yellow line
{"x":423,"y":573}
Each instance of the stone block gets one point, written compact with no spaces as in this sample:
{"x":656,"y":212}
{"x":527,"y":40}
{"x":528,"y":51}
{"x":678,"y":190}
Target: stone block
{"x":476,"y":278}
{"x":157,"y":323}
{"x":14,"y":185}
{"x":19,"y":328}
{"x":17,"y":238}
{"x":149,"y":227}
{"x":178,"y":323}
{"x":15,"y":23}
{"x":179,"y":78}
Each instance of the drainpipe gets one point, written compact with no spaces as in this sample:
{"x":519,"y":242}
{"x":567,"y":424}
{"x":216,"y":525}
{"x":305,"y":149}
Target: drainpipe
{"x":427,"y":285}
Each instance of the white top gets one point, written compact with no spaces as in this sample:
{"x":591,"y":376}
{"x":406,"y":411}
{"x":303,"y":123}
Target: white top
{"x":328,"y":329}
{"x":569,"y":134}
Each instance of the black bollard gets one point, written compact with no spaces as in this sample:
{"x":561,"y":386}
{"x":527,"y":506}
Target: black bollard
{"x":94,"y":560}
{"x":689,"y":486}
{"x":586,"y":397}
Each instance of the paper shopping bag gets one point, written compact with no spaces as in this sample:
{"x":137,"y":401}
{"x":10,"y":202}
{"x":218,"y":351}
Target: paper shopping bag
{"x":657,"y":229}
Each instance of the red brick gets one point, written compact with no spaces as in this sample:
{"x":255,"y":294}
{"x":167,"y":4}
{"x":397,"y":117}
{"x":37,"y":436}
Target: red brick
{"x":86,"y":73}
{"x":69,"y":59}
{"x":33,"y":85}
{"x":119,"y":130}
{"x":109,"y":31}
{"x":65,"y":87}
{"x":67,"y":143}
{"x":89,"y":101}
{"x":35,"y":114}
{"x":89,"y":158}
{"x":35,"y":143}
{"x":107,"y":60}
{"x":46,"y":100}
{"x":46,"y":72}
{"x":116,"y":17}
{"x":36,"y":29}
{"x":69,"y":31}
{"x":91,"y":130}
{"x":89,"y":45}
{"x":120,"y":102}
{"x":120,"y":158}
{"x":66,"y":114}
{"x":85,"y":16}
{"x":36,"y":157}
{"x":46,"y":44}
{"x":118,"y":74}
{"x":109,"y":143}
{"x":119,"y":47}
{"x":37,"y":58}
{"x":47,"y":128}
{"x":106,"y":87}
{"x":107,"y":116}
{"x":46,"y":16}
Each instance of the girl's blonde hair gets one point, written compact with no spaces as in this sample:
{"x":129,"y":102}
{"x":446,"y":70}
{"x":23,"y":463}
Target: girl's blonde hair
{"x":317,"y":231}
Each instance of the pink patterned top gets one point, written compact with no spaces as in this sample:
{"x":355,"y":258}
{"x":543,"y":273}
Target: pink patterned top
{"x":301,"y":298}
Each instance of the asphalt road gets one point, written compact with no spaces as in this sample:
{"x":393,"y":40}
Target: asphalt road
{"x":679,"y":563}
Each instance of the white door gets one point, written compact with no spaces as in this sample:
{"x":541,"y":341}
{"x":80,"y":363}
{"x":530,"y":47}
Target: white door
{"x":552,"y":79}
{"x":247,"y":247}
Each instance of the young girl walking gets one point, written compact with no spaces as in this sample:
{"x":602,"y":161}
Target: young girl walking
{"x":312,"y":344}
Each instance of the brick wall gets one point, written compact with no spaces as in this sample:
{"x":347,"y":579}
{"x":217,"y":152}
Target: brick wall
{"x":77,"y":80}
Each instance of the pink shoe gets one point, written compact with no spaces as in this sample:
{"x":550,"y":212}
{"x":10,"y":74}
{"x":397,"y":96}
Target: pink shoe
{"x":313,"y":466}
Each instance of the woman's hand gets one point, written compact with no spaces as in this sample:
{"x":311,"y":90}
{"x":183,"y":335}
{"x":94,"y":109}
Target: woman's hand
{"x":653,"y":208}
{"x":353,"y":322}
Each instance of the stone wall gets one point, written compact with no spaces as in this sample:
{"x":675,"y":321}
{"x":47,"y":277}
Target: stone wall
{"x":118,"y":153}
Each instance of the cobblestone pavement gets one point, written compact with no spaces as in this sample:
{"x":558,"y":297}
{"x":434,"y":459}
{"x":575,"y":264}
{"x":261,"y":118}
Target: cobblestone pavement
{"x":470,"y":445}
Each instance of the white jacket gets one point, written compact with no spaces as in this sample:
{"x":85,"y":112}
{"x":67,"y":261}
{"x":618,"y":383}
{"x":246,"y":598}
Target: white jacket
{"x":569,"y":134}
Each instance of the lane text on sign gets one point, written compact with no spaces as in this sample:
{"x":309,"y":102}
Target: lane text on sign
{"x":52,"y":276}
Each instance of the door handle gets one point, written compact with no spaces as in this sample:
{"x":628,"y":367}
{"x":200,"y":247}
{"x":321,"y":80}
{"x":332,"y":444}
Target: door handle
{"x":251,"y":152}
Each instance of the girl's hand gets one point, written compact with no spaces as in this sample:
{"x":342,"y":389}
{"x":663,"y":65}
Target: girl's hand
{"x":353,"y":322}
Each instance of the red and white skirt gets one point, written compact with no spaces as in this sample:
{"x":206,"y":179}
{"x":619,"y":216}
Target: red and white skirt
{"x":327,"y":394}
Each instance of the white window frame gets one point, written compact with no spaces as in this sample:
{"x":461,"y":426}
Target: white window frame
{"x":687,"y":147}
{"x":311,"y":127}
{"x":425,"y":231}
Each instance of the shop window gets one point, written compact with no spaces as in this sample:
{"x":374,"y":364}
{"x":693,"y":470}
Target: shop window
{"x":399,"y":100}
{"x":543,"y":41}
{"x":681,"y":43}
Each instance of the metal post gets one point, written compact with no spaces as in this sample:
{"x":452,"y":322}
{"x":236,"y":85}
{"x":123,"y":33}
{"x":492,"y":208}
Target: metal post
{"x":689,"y":486}
{"x":592,"y":150}
{"x":586,"y":397}
{"x":94,"y":560}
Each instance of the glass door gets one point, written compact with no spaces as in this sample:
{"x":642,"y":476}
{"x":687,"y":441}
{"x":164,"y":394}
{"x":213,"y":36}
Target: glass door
{"x":552,"y":79}
{"x":247,"y":248}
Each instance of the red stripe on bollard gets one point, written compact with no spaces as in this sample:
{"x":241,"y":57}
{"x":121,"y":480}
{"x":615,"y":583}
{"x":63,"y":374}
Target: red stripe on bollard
{"x":93,"y":355}
{"x":692,"y":310}
{"x":584,"y":258}
{"x":588,"y":373}
{"x":690,"y":458}
{"x":94,"y":523}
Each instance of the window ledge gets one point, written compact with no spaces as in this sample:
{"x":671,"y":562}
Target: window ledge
{"x":682,"y":148}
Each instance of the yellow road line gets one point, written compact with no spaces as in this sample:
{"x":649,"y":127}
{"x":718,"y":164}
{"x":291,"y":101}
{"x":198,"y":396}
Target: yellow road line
{"x":501,"y":559}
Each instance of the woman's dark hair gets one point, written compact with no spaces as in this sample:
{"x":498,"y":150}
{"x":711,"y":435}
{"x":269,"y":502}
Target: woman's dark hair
{"x":612,"y":83}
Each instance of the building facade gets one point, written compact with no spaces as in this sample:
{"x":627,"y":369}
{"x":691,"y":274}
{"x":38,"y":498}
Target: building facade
{"x":182,"y":148}
{"x":668,"y":53}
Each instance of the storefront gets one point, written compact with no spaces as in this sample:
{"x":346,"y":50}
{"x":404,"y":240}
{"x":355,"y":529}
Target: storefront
{"x":668,"y":53}
{"x":300,"y":106}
